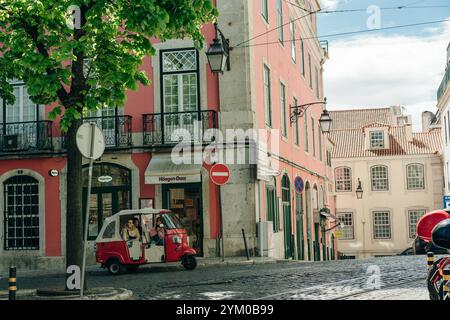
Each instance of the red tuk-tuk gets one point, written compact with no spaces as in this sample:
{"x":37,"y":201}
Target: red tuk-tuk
{"x":118,"y":252}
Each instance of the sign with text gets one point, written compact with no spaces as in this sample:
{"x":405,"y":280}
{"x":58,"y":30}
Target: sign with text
{"x":169,"y":179}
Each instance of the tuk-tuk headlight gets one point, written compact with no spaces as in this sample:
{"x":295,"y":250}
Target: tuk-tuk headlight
{"x":177,"y":240}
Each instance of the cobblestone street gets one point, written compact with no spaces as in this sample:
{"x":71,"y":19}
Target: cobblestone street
{"x":400,"y":278}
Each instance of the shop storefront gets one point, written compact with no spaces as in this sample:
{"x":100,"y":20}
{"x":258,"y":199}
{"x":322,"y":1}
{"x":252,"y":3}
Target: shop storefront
{"x":111,"y":193}
{"x":181,"y":191}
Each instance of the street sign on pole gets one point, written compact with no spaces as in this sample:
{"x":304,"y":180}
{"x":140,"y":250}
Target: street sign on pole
{"x":299,"y":185}
{"x":220,"y":175}
{"x":90,"y":141}
{"x":91,"y":144}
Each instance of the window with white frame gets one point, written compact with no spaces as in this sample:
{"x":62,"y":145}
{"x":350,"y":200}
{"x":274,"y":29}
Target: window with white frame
{"x":379,"y":177}
{"x":306,"y":131}
{"x":413,"y":218}
{"x":415,"y":176}
{"x":283,"y":110}
{"x":180,"y":81}
{"x":376,"y":139}
{"x":267,"y":96}
{"x":317,"y":83}
{"x":313,"y":136}
{"x":381,"y":225}
{"x":302,"y":47}
{"x":310,"y":71}
{"x":293,"y":43}
{"x":23,"y":109}
{"x":280,"y":21}
{"x":348,"y":231}
{"x":343,"y":178}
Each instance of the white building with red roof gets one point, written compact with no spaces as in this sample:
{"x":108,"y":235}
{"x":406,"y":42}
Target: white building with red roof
{"x":398,"y":171}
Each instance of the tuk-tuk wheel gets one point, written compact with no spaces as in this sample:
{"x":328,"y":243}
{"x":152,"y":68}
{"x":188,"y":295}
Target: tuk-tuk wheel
{"x":189,"y":262}
{"x":115,"y":267}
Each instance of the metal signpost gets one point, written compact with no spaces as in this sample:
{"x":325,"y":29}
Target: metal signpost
{"x":220,"y":175}
{"x":91,"y":144}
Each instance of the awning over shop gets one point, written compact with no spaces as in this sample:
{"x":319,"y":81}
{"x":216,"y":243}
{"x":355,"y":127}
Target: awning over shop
{"x":162,"y":170}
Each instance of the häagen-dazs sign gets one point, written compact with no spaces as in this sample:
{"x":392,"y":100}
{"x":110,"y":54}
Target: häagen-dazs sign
{"x":172,"y":179}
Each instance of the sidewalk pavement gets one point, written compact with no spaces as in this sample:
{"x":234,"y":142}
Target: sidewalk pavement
{"x":94,"y":294}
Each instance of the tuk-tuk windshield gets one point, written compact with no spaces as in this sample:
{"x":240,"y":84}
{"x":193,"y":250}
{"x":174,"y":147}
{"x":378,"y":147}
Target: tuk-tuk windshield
{"x":171,"y":221}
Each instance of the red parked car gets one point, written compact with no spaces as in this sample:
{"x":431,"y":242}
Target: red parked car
{"x":156,"y":237}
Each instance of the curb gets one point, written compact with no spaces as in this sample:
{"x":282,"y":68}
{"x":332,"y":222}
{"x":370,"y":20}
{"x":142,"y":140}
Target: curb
{"x":114,"y":294}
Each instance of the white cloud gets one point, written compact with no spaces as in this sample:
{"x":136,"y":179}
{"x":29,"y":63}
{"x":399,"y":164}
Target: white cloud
{"x":384,"y":70}
{"x":331,"y":4}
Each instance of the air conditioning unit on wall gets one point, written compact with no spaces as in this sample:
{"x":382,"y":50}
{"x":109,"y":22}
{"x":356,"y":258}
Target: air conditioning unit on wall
{"x":265,"y":239}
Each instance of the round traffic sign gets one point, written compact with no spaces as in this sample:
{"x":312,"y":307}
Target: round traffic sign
{"x":84,"y":141}
{"x":299,"y":184}
{"x":220,"y":174}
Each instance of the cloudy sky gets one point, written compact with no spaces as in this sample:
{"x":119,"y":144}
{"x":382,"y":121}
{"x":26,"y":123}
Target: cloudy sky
{"x":383,"y":68}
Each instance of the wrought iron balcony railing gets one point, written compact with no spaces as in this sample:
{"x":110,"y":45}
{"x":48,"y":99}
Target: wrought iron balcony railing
{"x":171,"y":128}
{"x":444,"y":84}
{"x":29,"y":136}
{"x":116,"y":130}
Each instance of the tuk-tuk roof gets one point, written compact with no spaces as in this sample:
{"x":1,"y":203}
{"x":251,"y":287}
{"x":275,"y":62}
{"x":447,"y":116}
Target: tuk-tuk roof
{"x":143,"y":211}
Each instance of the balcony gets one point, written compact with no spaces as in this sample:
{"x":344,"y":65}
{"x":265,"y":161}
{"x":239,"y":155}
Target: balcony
{"x":116,"y":130}
{"x":30,"y":136}
{"x":444,"y":84}
{"x":163,"y":128}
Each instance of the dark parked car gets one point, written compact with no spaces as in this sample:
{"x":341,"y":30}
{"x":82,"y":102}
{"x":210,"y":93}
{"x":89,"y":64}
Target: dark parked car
{"x":423,"y":247}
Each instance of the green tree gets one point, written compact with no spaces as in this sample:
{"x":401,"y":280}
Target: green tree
{"x":86,"y":65}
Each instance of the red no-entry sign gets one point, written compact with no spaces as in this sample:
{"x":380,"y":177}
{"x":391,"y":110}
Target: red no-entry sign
{"x":220,"y":174}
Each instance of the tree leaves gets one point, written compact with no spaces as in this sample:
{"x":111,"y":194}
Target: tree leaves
{"x":38,"y":47}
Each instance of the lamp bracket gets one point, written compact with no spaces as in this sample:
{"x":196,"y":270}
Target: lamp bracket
{"x":300,"y":110}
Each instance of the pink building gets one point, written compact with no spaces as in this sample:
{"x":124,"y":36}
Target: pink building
{"x":268,"y":75}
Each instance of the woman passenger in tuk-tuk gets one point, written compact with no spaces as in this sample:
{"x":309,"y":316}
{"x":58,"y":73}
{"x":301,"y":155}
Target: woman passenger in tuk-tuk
{"x":131,"y":232}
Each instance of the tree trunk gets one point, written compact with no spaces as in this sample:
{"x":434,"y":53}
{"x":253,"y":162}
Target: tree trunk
{"x":74,"y":201}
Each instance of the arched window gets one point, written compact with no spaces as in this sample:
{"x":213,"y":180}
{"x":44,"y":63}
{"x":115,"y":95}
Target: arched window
{"x":415,"y":176}
{"x":343,"y":177}
{"x":316,"y":198}
{"x":21,"y":205}
{"x":379,"y":178}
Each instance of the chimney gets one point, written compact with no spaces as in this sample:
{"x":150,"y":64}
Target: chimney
{"x":408,"y":133}
{"x":427,"y":119}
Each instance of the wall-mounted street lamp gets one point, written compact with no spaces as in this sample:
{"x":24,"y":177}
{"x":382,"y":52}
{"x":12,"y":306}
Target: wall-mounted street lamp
{"x":324,"y":121}
{"x":359,"y":190}
{"x":218,"y":53}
